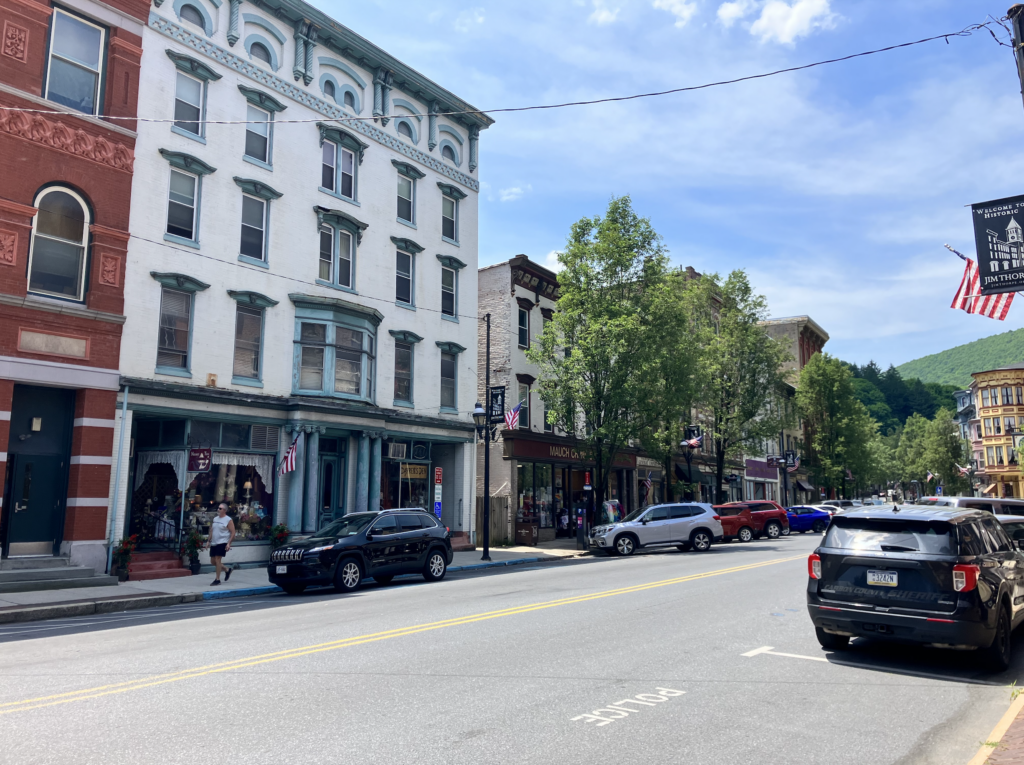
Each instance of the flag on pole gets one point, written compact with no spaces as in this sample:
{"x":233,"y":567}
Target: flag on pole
{"x":963,"y":470}
{"x":930,"y":476}
{"x":288,"y":461}
{"x":646,"y":486}
{"x":849,"y":475}
{"x":512,"y":416}
{"x":695,"y":442}
{"x":795,"y":466}
{"x":969,"y":298}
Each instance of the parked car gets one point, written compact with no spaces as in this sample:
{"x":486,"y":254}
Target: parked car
{"x":381,"y":545}
{"x":995,"y":505}
{"x":686,"y":526}
{"x":1013,"y":525}
{"x":767,"y":518}
{"x":946,"y":577}
{"x":843,"y":504}
{"x":804,"y":518}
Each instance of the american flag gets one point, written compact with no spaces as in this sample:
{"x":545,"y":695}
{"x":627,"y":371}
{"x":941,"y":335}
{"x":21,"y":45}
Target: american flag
{"x":930,"y":476}
{"x":512,"y":416}
{"x":795,"y":467}
{"x":963,"y":470}
{"x":288,"y":461}
{"x":646,"y":483}
{"x":694,"y":442}
{"x":969,"y":298}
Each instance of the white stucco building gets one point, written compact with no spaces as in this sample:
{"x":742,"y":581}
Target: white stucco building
{"x":303,"y":261}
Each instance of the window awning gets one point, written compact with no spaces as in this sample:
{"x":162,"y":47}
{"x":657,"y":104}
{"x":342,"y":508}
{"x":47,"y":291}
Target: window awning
{"x":990,"y":489}
{"x":803,"y":485}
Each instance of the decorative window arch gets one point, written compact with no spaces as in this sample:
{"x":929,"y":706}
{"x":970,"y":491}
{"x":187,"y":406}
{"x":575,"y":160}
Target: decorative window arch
{"x":277,"y":34}
{"x":60,"y":244}
{"x":449,"y":152}
{"x":329,"y":88}
{"x":414,"y":111}
{"x":406,"y":128}
{"x":341,"y":93}
{"x":196,"y":9}
{"x":253,"y":39}
{"x":452,"y":132}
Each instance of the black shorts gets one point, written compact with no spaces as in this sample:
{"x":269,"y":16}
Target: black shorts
{"x":218,"y":551}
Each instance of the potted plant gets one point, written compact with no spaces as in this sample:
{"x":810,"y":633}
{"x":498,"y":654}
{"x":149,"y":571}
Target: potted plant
{"x":278,"y":535}
{"x":190,"y":547}
{"x":122,"y":556}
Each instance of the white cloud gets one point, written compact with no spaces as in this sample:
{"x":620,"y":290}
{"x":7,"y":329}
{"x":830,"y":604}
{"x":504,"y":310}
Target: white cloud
{"x":551,"y":261}
{"x":683,"y":10}
{"x":785,"y":22}
{"x":512,"y":193}
{"x":731,"y":12}
{"x":468,"y":20}
{"x":602,"y":14}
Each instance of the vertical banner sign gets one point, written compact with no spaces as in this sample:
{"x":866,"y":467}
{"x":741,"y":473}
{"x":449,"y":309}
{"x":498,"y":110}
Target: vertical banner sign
{"x":437,"y":492}
{"x":999,"y":239}
{"x":496,"y":407}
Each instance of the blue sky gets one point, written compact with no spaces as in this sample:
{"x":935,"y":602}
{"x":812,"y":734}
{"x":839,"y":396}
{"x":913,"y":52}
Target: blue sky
{"x":835,"y":188}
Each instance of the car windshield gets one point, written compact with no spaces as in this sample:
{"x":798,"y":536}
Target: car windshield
{"x":345,"y":526}
{"x":635,"y":514}
{"x":896,"y":535}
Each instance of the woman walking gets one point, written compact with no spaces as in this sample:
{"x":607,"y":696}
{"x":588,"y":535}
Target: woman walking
{"x":222,"y":534}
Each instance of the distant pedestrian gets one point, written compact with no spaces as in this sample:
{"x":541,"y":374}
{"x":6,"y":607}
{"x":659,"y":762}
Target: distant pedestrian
{"x":222,"y":534}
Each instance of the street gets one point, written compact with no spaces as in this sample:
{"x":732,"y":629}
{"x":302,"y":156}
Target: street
{"x":621,"y":660}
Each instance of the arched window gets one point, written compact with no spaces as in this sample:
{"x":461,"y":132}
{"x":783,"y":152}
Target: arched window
{"x":60,"y":234}
{"x":329,"y":89}
{"x":405,"y":130}
{"x":192,"y":15}
{"x":448,"y":153}
{"x":259,"y":50}
{"x":350,"y":100}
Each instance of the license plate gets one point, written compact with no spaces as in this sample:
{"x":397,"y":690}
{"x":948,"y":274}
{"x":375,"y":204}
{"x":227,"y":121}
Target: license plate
{"x":883,"y":578}
{"x":282,"y":569}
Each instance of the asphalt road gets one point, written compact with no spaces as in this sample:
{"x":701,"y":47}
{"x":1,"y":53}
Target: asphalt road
{"x":601,"y":660}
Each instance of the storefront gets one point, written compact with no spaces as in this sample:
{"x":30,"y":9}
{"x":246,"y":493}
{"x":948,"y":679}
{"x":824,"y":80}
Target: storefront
{"x":761,"y":481}
{"x":650,"y":478}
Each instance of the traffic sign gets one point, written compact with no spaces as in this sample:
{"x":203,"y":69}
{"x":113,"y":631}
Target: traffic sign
{"x":437,"y":475}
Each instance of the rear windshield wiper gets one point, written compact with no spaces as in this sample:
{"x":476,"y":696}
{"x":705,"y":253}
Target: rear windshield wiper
{"x":897,"y":548}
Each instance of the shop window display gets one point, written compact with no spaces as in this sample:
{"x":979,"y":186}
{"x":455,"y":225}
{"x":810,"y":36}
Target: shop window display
{"x":250,"y":502}
{"x":404,"y":484}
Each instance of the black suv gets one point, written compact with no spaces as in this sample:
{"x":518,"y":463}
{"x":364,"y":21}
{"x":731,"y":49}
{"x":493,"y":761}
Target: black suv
{"x":945,"y":577}
{"x":382,"y":545}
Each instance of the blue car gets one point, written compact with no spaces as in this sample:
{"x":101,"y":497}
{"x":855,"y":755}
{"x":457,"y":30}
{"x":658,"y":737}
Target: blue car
{"x":804,"y":518}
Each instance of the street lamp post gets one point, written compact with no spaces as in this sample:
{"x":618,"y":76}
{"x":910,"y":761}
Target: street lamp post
{"x":692,"y":433}
{"x":485,"y":420}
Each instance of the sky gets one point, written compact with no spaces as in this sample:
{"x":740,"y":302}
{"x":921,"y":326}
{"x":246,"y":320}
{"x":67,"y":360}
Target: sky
{"x":834,"y":188}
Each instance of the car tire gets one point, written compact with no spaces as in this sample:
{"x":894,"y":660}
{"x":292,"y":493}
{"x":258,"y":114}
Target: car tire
{"x":832,"y":642}
{"x":773,"y":530}
{"x":347,"y":575}
{"x":294,"y":589}
{"x":384,"y":579}
{"x":786,"y":530}
{"x":436,"y":566}
{"x":683,"y":547}
{"x":819,"y":527}
{"x":700,"y":540}
{"x":746,"y":534}
{"x":625,"y":545}
{"x":997,"y":656}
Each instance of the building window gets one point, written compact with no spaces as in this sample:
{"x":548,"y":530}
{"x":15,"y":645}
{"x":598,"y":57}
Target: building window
{"x":1007,"y":396}
{"x":338,"y":164}
{"x":403,"y":278}
{"x":449,"y":218}
{"x":348,"y":361}
{"x":448,"y":153}
{"x":188,"y":104}
{"x":448,"y":281}
{"x":60,"y":234}
{"x":248,"y":337}
{"x":75,"y":69}
{"x":1009,"y":424}
{"x":349,"y":349}
{"x":403,"y":372}
{"x":524,"y":412}
{"x":329,"y":90}
{"x":259,"y":51}
{"x":990,"y":452}
{"x":448,"y":398}
{"x":336,"y":256}
{"x":257,"y":133}
{"x":349,"y":100}
{"x":181,"y":205}
{"x":311,"y":356}
{"x":191,"y":14}
{"x":405,"y":130}
{"x":406,"y":189}
{"x":254,"y":227}
{"x":999,"y":455}
{"x":979,"y":430}
{"x":988,"y":426}
{"x":548,"y":427}
{"x":524,"y":328}
{"x":996,"y":427}
{"x":175,"y":326}
{"x":984,"y":397}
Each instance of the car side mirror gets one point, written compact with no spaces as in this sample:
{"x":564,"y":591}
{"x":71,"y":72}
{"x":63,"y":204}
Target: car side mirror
{"x":643,"y":521}
{"x":369,"y":536}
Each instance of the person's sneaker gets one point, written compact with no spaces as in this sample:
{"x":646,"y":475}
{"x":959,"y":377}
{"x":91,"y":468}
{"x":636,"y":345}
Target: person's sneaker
{"x":215,"y":582}
{"x":227,"y":573}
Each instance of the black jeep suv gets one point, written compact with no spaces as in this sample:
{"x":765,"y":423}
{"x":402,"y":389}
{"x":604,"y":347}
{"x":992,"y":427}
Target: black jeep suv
{"x":382,"y":545}
{"x":945,"y":577}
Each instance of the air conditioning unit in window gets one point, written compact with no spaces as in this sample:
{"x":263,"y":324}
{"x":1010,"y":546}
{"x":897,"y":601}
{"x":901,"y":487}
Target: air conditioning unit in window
{"x":264,"y":437}
{"x":397,"y":450}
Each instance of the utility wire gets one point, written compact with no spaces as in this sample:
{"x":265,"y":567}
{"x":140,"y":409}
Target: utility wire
{"x":967,"y":31}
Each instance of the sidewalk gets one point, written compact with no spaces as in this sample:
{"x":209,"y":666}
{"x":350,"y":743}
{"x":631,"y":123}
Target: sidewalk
{"x":1006,"y":741}
{"x":56,"y":604}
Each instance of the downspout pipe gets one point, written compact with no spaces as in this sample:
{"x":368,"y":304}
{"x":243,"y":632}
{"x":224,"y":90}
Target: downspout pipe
{"x":117,"y":479}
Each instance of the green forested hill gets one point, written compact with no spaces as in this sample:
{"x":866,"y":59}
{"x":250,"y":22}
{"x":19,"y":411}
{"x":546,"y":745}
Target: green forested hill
{"x":954,"y":367}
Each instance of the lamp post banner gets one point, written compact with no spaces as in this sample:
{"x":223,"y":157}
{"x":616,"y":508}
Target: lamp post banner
{"x":999,"y":239}
{"x":496,"y":404}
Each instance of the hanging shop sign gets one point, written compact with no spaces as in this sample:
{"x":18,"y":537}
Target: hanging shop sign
{"x":527,"y":448}
{"x":415,"y":472}
{"x":776,"y":462}
{"x":999,"y":240}
{"x":200,"y":460}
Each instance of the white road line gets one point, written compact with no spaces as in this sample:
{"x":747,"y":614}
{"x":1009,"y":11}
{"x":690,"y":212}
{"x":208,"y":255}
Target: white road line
{"x":769,"y":650}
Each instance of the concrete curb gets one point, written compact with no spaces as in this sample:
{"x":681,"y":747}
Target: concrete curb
{"x":240,"y":593}
{"x":514,"y":562}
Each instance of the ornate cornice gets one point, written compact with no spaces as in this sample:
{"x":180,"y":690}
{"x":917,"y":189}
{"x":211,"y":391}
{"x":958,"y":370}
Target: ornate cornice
{"x":408,"y":170}
{"x":187,"y":162}
{"x":270,"y":80}
{"x":75,"y":141}
{"x":261,"y":99}
{"x":257,"y":188}
{"x":449,"y":347}
{"x":404,"y":336}
{"x":448,"y":190}
{"x":191,"y":66}
{"x":252,"y":298}
{"x":179,"y":281}
{"x":406,"y":245}
{"x":340,"y":218}
{"x":317,"y":302}
{"x":450,"y":261}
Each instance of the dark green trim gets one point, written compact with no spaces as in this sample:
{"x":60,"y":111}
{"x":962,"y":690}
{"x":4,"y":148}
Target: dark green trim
{"x":450,"y":261}
{"x":252,"y":298}
{"x":318,"y":303}
{"x":179,"y":281}
{"x":340,"y":218}
{"x":408,"y":170}
{"x":449,"y":347}
{"x":261,"y":99}
{"x":343,"y":138}
{"x":189,"y":65}
{"x":451,"y":191}
{"x":406,"y":245}
{"x":404,"y":335}
{"x":187,"y":162}
{"x":257,"y":188}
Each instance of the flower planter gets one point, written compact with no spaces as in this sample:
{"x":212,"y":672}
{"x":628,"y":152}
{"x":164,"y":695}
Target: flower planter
{"x":194,"y":566}
{"x":122,"y":575}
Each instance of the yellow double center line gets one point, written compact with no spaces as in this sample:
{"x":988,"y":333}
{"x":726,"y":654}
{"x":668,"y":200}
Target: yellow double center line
{"x":293,"y":653}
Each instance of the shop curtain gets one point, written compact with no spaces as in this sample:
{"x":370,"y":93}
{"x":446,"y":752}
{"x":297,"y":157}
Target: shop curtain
{"x":264,"y":464}
{"x":178,"y":460}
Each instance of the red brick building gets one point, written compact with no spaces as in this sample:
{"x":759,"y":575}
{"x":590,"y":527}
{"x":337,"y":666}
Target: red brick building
{"x":64,"y":204}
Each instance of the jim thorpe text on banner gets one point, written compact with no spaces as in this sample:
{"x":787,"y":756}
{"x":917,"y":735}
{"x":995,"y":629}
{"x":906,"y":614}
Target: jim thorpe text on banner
{"x":999,"y":239}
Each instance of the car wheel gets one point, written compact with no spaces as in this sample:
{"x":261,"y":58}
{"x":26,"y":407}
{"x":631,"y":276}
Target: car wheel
{"x":436,"y":566}
{"x":819,"y":527}
{"x":745,"y":534}
{"x":625,"y":545}
{"x":773,"y":530}
{"x":832,"y":642}
{"x":997,"y":656}
{"x":701,"y":540}
{"x":786,"y":531}
{"x":683,"y":547}
{"x":383,"y":579}
{"x":294,"y":589}
{"x":347,"y":576}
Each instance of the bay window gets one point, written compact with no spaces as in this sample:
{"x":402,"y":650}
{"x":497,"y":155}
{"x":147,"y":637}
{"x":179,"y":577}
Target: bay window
{"x":334,"y":356}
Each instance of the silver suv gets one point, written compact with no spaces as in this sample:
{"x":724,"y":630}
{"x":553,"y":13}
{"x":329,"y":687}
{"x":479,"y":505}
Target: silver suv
{"x":687,"y":526}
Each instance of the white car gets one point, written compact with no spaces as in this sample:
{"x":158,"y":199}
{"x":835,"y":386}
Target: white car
{"x":687,"y":526}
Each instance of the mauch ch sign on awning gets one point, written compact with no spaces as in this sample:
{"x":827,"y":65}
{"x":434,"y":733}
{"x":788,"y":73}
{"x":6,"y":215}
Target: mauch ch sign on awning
{"x":999,"y":239}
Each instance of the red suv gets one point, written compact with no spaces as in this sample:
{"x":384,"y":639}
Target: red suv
{"x":750,"y":520}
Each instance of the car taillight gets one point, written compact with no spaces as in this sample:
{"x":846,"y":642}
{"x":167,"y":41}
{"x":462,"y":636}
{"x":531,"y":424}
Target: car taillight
{"x":814,"y":566}
{"x":717,"y":517}
{"x":965,"y":577}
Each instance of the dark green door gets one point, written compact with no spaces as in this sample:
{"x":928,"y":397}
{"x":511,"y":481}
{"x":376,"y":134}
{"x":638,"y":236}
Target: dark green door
{"x":37,"y":498}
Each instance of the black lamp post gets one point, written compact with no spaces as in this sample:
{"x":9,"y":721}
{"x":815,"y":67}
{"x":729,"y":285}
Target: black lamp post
{"x":691,"y":433}
{"x":485,"y":431}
